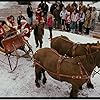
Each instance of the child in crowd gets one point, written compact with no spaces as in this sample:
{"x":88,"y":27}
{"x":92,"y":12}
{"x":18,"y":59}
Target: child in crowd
{"x":68,"y":21}
{"x":63,"y":15}
{"x":50,"y":23}
{"x":74,"y":19}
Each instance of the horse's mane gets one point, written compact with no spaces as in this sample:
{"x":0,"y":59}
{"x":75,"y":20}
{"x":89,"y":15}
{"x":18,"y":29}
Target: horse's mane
{"x":68,"y":40}
{"x":88,"y":57}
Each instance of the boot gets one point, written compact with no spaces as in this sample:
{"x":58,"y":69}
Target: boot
{"x":40,"y":45}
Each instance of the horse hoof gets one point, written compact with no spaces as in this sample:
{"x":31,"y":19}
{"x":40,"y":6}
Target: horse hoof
{"x":37,"y":85}
{"x":80,"y":87}
{"x":90,"y":86}
{"x":44,"y":81}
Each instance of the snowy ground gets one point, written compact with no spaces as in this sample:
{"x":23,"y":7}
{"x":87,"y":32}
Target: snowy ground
{"x":21,"y":83}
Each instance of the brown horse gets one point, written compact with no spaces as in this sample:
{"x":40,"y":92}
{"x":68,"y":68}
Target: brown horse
{"x":75,"y":70}
{"x":70,"y":48}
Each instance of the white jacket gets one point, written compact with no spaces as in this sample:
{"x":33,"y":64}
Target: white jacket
{"x":74,"y":17}
{"x":82,"y":17}
{"x":63,"y":14}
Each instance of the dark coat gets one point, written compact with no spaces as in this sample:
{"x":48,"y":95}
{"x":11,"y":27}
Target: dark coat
{"x":45,"y":9}
{"x":61,"y":6}
{"x":19,"y":18}
{"x":39,"y":30}
{"x":53,"y":7}
{"x":41,"y":6}
{"x":29,"y":11}
{"x":56,"y":14}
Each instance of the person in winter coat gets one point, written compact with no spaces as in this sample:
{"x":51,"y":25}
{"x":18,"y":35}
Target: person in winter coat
{"x":68,"y":21}
{"x":81,"y":20}
{"x":63,"y":15}
{"x":30,"y":14}
{"x":39,"y":14}
{"x":53,"y":7}
{"x":11,"y":21}
{"x":20,"y":17}
{"x":12,"y":26}
{"x":25,"y":29}
{"x":2,"y":34}
{"x":93,"y":18}
{"x":74,"y":19}
{"x":87,"y":22}
{"x":74,"y":5}
{"x":80,"y":5}
{"x":50,"y":22}
{"x":38,"y":33}
{"x":61,"y":5}
{"x":45,"y":10}
{"x":41,"y":5}
{"x":57,"y":20}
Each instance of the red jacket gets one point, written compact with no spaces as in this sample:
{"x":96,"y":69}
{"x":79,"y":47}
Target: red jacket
{"x":2,"y":32}
{"x":50,"y":22}
{"x":25,"y":29}
{"x":38,"y":15}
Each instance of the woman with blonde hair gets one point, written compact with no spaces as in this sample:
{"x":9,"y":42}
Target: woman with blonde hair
{"x":50,"y":23}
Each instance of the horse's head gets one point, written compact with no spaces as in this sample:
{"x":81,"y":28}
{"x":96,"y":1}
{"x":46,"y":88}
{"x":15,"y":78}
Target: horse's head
{"x":97,"y":56}
{"x":97,"y":59}
{"x":91,"y":47}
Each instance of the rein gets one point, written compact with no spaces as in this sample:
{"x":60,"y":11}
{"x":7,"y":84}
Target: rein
{"x":73,"y":47}
{"x":59,"y":75}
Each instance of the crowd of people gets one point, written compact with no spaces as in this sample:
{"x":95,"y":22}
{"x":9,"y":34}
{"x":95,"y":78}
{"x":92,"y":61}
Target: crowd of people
{"x":79,"y":19}
{"x":75,"y":18}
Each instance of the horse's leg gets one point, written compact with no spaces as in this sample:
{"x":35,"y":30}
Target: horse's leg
{"x":29,"y":46}
{"x":89,"y":84}
{"x":41,"y":42}
{"x":37,"y":75}
{"x":74,"y":91}
{"x":23,"y":49}
{"x":44,"y":77}
{"x":80,"y":87}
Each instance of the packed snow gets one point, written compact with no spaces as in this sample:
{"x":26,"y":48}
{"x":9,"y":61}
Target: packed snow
{"x":21,"y":83}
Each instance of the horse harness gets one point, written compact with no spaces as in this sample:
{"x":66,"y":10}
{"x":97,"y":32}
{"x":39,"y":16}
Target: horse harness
{"x":73,"y":47}
{"x":59,"y":75}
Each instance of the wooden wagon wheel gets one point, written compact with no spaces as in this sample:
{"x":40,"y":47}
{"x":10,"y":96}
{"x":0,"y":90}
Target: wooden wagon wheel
{"x":9,"y":58}
{"x":11,"y":44}
{"x":29,"y":49}
{"x":17,"y":56}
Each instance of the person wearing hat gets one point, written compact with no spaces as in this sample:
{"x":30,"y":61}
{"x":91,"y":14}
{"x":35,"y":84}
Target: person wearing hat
{"x":81,"y":21}
{"x":11,"y":21}
{"x":50,"y":23}
{"x":2,"y":33}
{"x":30,"y":13}
{"x":25,"y":29}
{"x":20,"y":17}
{"x":38,"y":33}
{"x":39,"y":14}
